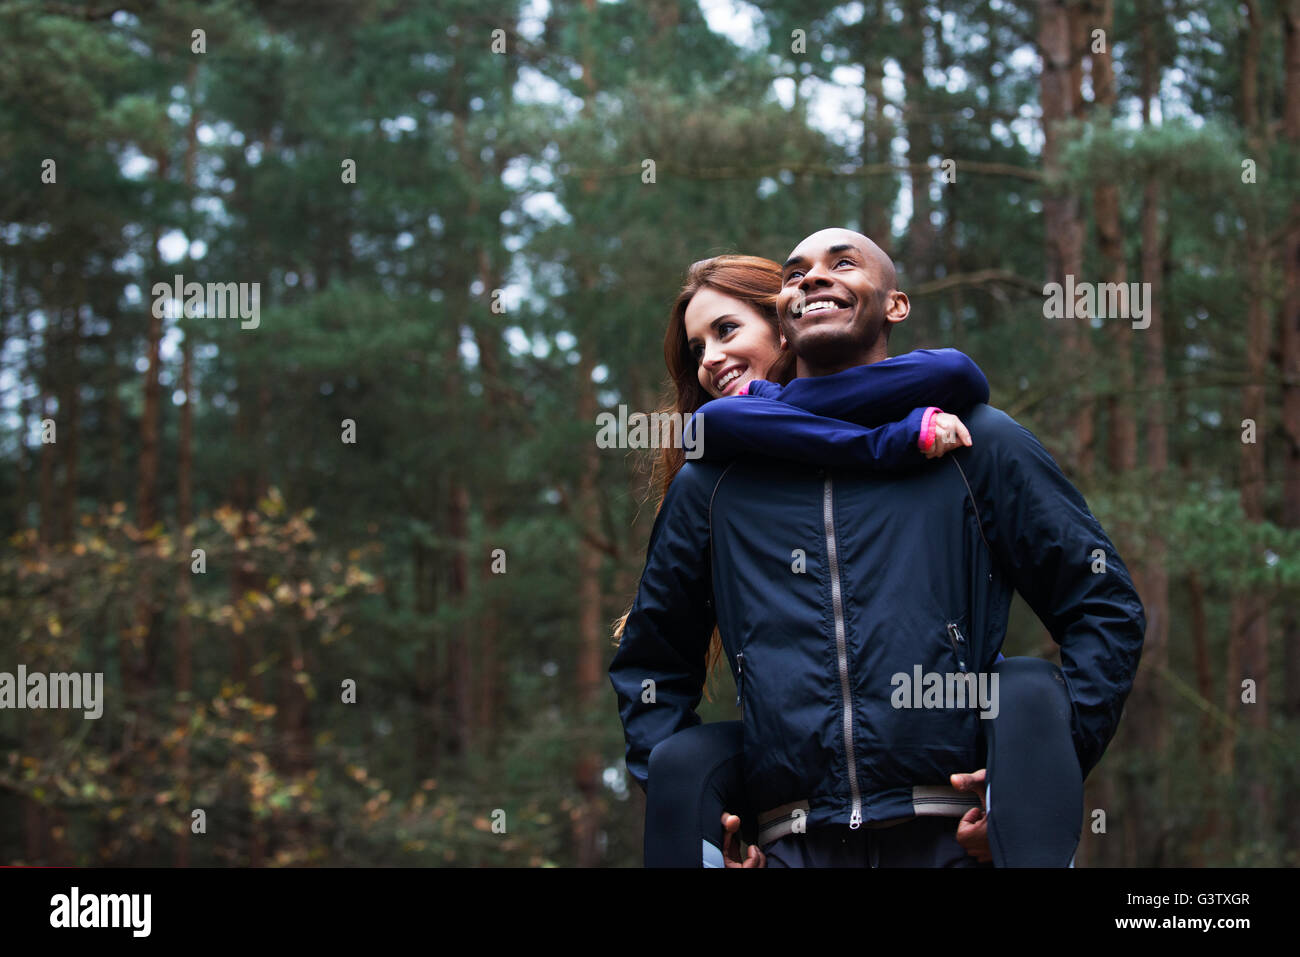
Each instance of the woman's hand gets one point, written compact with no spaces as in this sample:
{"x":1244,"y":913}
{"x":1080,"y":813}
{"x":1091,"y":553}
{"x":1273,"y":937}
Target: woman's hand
{"x":755,"y":857}
{"x":949,"y":433}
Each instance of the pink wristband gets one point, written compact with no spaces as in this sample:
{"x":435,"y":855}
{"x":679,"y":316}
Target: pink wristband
{"x":925,"y":441}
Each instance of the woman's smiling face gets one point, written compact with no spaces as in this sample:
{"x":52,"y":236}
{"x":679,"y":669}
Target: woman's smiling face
{"x":730,"y":340}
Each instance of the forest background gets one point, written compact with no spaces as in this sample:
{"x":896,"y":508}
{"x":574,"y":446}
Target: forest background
{"x":350,"y":570}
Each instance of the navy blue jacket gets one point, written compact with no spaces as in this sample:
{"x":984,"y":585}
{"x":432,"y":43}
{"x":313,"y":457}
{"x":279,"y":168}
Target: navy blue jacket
{"x":827,"y":580}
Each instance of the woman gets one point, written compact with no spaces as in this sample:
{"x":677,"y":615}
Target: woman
{"x":723,"y":336}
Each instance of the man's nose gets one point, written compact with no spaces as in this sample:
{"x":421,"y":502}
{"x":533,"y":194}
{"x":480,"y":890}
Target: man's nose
{"x":815,"y":274}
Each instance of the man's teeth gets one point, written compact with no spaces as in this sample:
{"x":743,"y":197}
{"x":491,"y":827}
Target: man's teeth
{"x":722,"y":383}
{"x":820,"y":305}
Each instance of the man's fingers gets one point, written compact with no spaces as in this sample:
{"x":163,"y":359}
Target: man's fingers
{"x":973,"y":836}
{"x":969,"y":782}
{"x":730,"y":825}
{"x":727,"y":831}
{"x":753,"y":857}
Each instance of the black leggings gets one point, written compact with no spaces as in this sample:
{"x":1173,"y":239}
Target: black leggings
{"x":1032,"y":768}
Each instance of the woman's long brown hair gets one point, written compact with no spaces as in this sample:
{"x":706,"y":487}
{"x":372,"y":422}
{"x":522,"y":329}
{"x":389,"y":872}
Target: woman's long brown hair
{"x":751,"y":279}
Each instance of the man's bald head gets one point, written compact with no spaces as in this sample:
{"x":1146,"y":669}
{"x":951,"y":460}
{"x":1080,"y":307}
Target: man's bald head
{"x":839,"y":298}
{"x":834,"y":236}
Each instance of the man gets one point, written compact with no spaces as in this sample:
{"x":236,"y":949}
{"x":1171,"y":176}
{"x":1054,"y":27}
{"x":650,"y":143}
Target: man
{"x":827,"y":584}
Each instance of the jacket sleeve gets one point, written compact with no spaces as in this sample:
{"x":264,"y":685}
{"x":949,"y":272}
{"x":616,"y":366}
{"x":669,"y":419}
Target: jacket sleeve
{"x":1062,"y":562}
{"x":658,"y":671}
{"x":750,"y":425}
{"x":888,"y":390}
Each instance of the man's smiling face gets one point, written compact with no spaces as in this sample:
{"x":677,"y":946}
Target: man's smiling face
{"x":837,"y":298}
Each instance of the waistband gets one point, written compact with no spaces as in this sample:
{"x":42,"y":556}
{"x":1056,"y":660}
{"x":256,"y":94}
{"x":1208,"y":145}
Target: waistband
{"x":928,"y":800}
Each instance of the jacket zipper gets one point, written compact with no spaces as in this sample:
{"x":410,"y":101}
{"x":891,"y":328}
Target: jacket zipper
{"x":740,"y":676}
{"x":841,"y":646}
{"x":958,"y":642}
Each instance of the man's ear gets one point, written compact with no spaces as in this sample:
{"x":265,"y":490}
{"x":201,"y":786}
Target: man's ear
{"x":897,"y":307}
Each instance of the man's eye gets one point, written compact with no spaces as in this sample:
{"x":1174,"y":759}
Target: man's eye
{"x":849,"y":261}
{"x":793,"y":274}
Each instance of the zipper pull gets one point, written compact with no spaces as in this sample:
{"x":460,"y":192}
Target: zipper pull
{"x":740,"y":676}
{"x":958,"y":643}
{"x":855,"y":820}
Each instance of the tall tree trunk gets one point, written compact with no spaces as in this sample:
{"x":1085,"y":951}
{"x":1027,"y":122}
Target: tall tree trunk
{"x":1208,"y":830}
{"x":183,"y":675}
{"x":1063,"y":231}
{"x":460,"y":657}
{"x":116,"y":473}
{"x":147,"y":490}
{"x":1142,"y":712}
{"x":245,"y":646}
{"x":1122,"y":446}
{"x":591,"y":648}
{"x":70,"y":414}
{"x":428,"y":746}
{"x":490,"y":679}
{"x":48,"y":452}
{"x":1145,"y":713}
{"x":877,"y":134}
{"x":140,"y":638}
{"x":951,"y":251}
{"x":460,"y":661}
{"x":25,"y":374}
{"x":1289,"y":360}
{"x":1250,"y":612}
{"x":51,"y":394}
{"x":920,"y":231}
{"x":183,"y":665}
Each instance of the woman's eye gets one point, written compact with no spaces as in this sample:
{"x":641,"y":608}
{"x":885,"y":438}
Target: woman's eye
{"x":726,"y":327}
